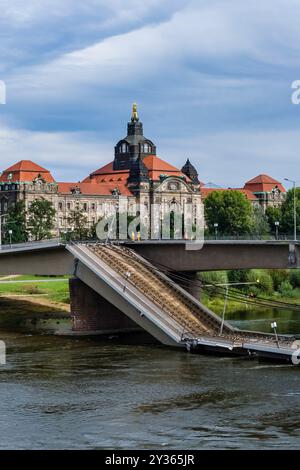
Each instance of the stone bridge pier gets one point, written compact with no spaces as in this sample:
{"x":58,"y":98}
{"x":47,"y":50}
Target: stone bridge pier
{"x":92,"y":314}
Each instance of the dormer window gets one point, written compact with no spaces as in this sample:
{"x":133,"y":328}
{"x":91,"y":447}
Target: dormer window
{"x":146,"y":148}
{"x":75,"y":190}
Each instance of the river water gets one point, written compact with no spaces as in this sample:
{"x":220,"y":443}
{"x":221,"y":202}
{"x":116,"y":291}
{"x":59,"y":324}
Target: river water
{"x":58,"y":393}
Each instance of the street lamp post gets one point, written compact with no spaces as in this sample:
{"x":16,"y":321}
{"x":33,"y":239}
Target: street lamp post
{"x":216,"y":225}
{"x":10,"y":235}
{"x":1,"y":216}
{"x":274,"y":326}
{"x":277,"y":228}
{"x":295,"y":207}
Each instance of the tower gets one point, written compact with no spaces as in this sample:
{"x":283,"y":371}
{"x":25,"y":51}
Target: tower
{"x":134,"y":146}
{"x":190,"y":171}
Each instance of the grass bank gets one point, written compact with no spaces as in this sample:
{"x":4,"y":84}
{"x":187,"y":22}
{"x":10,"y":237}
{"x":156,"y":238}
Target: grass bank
{"x":51,"y":289}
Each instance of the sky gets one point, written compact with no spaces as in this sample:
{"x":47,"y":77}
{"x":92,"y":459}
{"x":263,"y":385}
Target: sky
{"x":212,"y":79}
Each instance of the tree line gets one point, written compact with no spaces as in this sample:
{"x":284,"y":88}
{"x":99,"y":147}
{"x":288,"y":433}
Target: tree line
{"x":231,"y":213}
{"x":39,"y":221}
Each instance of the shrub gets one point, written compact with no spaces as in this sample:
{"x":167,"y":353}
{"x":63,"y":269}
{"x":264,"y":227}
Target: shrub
{"x":265,"y":281}
{"x":295,"y":277}
{"x":213,"y":277}
{"x":278,"y":276}
{"x":31,"y":289}
{"x":286,"y":289}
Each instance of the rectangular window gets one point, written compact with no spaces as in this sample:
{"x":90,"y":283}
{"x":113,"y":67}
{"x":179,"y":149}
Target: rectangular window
{"x":60,"y":206}
{"x":85,"y":206}
{"x":68,"y":206}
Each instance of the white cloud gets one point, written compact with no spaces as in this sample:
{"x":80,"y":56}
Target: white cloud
{"x":192,"y":55}
{"x":232,"y":158}
{"x":69,"y":156}
{"x":224,"y":33}
{"x":226,"y":158}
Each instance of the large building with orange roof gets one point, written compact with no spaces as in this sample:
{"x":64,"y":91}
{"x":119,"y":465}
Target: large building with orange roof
{"x":136,"y":173}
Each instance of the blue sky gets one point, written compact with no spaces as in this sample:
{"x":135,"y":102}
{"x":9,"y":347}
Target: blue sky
{"x":212,"y":79}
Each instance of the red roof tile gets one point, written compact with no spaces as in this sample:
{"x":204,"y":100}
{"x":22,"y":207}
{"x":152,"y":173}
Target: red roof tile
{"x":26,"y":170}
{"x":155,"y":166}
{"x":96,"y":189}
{"x":263,"y":183}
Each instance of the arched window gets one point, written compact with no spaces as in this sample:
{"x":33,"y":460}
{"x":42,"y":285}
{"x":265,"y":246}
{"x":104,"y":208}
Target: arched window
{"x":147,"y":148}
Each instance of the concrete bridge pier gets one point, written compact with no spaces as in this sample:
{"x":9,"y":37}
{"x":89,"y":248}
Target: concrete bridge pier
{"x":92,"y":314}
{"x":190,"y":282}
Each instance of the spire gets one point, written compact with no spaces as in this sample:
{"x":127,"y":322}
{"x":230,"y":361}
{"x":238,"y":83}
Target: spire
{"x":134,"y":115}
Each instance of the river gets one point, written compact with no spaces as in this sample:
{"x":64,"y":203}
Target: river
{"x":67,"y":393}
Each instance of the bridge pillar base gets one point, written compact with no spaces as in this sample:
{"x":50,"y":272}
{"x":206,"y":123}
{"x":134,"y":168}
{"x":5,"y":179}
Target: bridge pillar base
{"x":190,"y":282}
{"x":92,"y":314}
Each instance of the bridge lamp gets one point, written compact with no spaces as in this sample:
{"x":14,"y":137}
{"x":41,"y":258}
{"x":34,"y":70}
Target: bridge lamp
{"x":10,"y":235}
{"x":277,"y":223}
{"x":274,"y":326}
{"x":216,"y":225}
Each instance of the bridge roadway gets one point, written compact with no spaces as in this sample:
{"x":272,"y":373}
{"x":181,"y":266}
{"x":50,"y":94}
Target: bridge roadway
{"x":51,"y":257}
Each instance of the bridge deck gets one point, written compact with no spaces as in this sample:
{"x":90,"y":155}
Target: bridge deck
{"x":183,"y":319}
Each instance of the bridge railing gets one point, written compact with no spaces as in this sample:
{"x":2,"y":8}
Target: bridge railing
{"x":61,"y":241}
{"x":269,"y":237}
{"x":47,"y":242}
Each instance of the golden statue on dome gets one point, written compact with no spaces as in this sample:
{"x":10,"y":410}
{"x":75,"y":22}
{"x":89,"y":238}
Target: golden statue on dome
{"x":134,"y":116}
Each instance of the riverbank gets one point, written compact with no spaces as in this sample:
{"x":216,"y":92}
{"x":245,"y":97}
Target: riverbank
{"x":35,"y":304}
{"x":42,"y":305}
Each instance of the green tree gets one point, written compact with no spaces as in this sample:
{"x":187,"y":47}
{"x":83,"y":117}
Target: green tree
{"x":238,"y":275}
{"x":260,"y":222}
{"x":16,"y":222}
{"x":265,"y":283}
{"x":231,"y":210}
{"x":294,"y":275}
{"x":273,"y":214}
{"x":78,"y":221}
{"x":287,"y":210}
{"x":279,"y":276}
{"x":41,"y":219}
